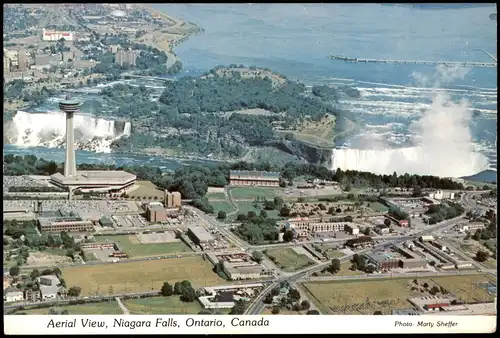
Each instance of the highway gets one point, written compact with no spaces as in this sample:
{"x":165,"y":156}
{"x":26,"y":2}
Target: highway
{"x":470,"y":203}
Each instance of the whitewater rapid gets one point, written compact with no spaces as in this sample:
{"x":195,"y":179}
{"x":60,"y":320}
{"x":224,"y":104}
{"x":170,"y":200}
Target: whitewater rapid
{"x":412,"y":160}
{"x":49,"y":130}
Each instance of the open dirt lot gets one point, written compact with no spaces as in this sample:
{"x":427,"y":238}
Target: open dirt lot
{"x":160,"y":237}
{"x":42,"y":258}
{"x":140,"y":276}
{"x":147,"y":189}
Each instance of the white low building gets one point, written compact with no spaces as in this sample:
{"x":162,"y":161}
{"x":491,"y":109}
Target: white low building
{"x":12,"y":295}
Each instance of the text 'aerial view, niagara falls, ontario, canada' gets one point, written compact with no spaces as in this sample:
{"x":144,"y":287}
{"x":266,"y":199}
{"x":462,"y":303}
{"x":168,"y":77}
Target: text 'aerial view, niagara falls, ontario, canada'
{"x":236,"y":168}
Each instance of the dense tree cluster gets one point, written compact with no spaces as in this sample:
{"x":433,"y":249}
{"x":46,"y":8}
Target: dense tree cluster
{"x":257,"y":229}
{"x":444,"y":211}
{"x":19,"y":90}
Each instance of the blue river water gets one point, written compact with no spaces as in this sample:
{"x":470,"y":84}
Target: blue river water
{"x":296,"y":40}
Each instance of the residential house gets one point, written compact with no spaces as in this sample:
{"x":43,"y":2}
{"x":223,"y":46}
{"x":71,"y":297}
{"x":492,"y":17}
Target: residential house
{"x":49,"y":286}
{"x":33,"y":295}
{"x":12,"y":295}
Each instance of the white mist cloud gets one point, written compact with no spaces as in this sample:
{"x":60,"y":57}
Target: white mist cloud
{"x":442,"y":141}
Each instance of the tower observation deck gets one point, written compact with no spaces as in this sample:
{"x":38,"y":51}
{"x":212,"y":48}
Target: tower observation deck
{"x":70,"y":107}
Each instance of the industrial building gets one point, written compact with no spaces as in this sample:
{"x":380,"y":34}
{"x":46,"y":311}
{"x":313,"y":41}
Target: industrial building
{"x":173,"y":200}
{"x":239,"y":266}
{"x":74,"y":224}
{"x":381,"y":261}
{"x":224,"y":297}
{"x":52,"y":35}
{"x":200,"y":235}
{"x":254,"y":178}
{"x":155,"y":212}
{"x":86,"y":181}
{"x":304,"y":225}
{"x":362,"y":241}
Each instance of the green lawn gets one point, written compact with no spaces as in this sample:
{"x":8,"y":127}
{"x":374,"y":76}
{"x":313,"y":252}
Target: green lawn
{"x":57,"y":252}
{"x":161,"y":306}
{"x":378,"y":207}
{"x":222,"y":206}
{"x":130,"y":245}
{"x":288,"y":259}
{"x":246,"y":206}
{"x":253,"y":192}
{"x":216,"y":196}
{"x":104,"y":308}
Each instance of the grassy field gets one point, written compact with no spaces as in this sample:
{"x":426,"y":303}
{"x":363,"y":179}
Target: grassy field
{"x":140,"y":276}
{"x":466,"y":287}
{"x":130,"y":245}
{"x":147,"y":189}
{"x":246,"y":206}
{"x":366,"y":297}
{"x":378,"y":207}
{"x":104,"y":308}
{"x":222,"y":206}
{"x":320,"y":133}
{"x":171,"y":305}
{"x":216,"y":196}
{"x":245,"y":193}
{"x":359,"y":297}
{"x":288,"y":259}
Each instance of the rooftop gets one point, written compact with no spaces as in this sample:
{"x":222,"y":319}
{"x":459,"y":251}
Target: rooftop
{"x":201,"y":233}
{"x":248,"y":173}
{"x":105,"y":177}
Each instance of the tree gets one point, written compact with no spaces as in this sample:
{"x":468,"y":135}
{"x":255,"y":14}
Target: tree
{"x":177,"y":288}
{"x":426,"y":285}
{"x":366,"y":231}
{"x":434,"y":290}
{"x":257,"y":256}
{"x":34,"y":274}
{"x":167,"y":289}
{"x":14,"y":271}
{"x":269,"y":205}
{"x":294,"y":294}
{"x":285,"y":211}
{"x":74,"y":291}
{"x":296,"y":307}
{"x":312,"y":312}
{"x":378,"y":312}
{"x":370,"y":268}
{"x":335,"y":267}
{"x":221,"y":215}
{"x":188,"y":294}
{"x":305,"y":305}
{"x":482,"y":256}
{"x":387,"y":222}
{"x":238,"y":308}
{"x":287,"y":236}
{"x":263,"y":213}
{"x":278,"y":202}
{"x":275,"y":310}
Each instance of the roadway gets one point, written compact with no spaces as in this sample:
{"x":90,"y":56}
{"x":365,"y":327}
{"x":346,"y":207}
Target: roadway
{"x":470,"y":203}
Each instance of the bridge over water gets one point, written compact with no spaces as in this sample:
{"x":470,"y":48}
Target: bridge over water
{"x":418,"y":62}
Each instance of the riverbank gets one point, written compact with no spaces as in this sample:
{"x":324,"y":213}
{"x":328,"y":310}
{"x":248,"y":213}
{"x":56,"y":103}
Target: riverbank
{"x":165,"y":39}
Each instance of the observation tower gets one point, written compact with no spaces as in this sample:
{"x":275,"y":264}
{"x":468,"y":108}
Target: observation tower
{"x":70,"y":107}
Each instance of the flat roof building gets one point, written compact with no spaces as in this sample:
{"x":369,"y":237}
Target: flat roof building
{"x":97,"y":181}
{"x":74,"y":224}
{"x":254,"y":178}
{"x":200,"y":235}
{"x":156,"y":213}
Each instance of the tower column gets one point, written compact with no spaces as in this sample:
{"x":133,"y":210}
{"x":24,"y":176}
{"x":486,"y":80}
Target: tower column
{"x":69,"y":107}
{"x":70,"y":163}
